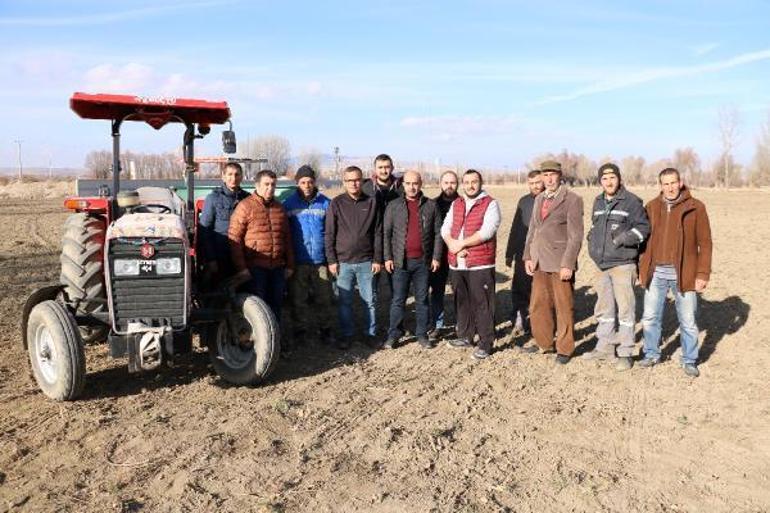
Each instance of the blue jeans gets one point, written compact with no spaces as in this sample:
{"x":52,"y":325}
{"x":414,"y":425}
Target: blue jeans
{"x":437,"y":283}
{"x":269,"y":285}
{"x":686,"y":306}
{"x":415,"y":271}
{"x":361,"y":273}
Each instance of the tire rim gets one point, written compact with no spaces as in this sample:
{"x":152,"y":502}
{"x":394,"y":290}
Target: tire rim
{"x":45,"y":354}
{"x":236,"y":350}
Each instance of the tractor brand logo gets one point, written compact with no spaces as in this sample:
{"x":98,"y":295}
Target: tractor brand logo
{"x":147,"y":251}
{"x":163,"y":100}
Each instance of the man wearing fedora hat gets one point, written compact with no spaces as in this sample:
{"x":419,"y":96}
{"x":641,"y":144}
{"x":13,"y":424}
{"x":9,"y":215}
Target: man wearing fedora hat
{"x":550,"y":257}
{"x":619,"y":227}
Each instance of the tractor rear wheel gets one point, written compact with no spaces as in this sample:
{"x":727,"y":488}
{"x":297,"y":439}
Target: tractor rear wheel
{"x":55,"y":351}
{"x":245,"y":348}
{"x":82,"y":270}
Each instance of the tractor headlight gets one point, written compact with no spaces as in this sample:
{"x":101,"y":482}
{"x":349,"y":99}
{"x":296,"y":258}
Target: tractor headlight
{"x":169,"y":265}
{"x":125,"y":267}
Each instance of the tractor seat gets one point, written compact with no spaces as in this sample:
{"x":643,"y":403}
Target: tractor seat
{"x":161,"y":196}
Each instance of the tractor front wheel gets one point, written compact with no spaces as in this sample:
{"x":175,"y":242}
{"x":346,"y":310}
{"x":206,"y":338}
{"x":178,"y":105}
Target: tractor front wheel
{"x":56,"y":351}
{"x":244,"y":348}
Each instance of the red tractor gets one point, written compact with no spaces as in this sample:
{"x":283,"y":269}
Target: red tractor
{"x":129,"y":273}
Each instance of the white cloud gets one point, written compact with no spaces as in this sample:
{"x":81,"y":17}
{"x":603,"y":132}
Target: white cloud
{"x":451,"y":128}
{"x":703,"y":49}
{"x":651,"y":75}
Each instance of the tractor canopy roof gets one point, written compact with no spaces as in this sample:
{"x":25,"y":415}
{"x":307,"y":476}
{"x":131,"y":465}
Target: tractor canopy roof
{"x":156,"y":111}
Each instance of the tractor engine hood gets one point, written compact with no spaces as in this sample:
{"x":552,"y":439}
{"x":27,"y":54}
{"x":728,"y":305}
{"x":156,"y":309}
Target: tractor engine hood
{"x":149,"y":226}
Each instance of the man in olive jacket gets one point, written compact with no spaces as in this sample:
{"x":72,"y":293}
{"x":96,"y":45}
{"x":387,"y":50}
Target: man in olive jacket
{"x":550,"y":257}
{"x":677,"y":258}
{"x":412,"y":245}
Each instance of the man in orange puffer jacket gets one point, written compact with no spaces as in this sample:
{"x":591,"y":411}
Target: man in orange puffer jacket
{"x":260,"y":243}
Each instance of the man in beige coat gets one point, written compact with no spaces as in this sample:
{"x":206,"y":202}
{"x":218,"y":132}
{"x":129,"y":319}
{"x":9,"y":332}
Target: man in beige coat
{"x":550,"y":256}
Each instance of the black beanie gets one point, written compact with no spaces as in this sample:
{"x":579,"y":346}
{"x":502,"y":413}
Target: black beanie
{"x":304,"y":172}
{"x":609,"y":167}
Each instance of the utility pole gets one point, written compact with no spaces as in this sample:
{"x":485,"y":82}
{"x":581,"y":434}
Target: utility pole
{"x":18,"y":153}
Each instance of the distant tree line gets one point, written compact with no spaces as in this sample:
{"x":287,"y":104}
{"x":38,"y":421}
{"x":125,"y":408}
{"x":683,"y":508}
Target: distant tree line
{"x":579,"y":169}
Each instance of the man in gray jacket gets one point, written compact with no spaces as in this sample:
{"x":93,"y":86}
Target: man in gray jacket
{"x":550,"y":256}
{"x":412,"y":245}
{"x":619,"y":226}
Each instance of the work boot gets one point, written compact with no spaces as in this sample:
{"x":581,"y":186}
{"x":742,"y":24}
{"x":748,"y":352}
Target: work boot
{"x":424,"y":343}
{"x":648,"y":362}
{"x":327,"y":337}
{"x":389,"y":343}
{"x":562,"y":359}
{"x":459,"y":342}
{"x":433,"y":335}
{"x":691,"y":370}
{"x":526,"y":348}
{"x":599,"y":355}
{"x":345,"y":343}
{"x":624,"y":363}
{"x":371,"y":342}
{"x":480,"y":354}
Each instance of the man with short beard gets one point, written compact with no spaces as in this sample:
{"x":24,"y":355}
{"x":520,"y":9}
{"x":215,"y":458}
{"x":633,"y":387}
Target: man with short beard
{"x":677,"y":258}
{"x":550,"y":257}
{"x":260,"y":243}
{"x":521,"y":285}
{"x":412,"y":243}
{"x":470,"y":233}
{"x":448,"y":183}
{"x":618,"y":229}
{"x":306,"y":209}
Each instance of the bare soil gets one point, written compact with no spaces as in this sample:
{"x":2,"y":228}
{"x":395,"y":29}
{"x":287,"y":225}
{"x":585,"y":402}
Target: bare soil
{"x":404,"y":430}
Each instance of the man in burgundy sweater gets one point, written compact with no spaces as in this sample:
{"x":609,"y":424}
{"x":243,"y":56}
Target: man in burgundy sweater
{"x":412,"y":247}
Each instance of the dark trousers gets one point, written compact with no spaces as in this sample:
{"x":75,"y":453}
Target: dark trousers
{"x":269,"y":285}
{"x":549,"y":294}
{"x":475,"y":305}
{"x":416,"y":272}
{"x":521,"y":290}
{"x":437,"y":283}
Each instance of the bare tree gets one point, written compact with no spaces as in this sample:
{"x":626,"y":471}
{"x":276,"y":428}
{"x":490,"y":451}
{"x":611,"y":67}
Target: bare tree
{"x":274,"y":148}
{"x":99,"y":163}
{"x":729,"y":120}
{"x":687,"y":161}
{"x":761,"y":165}
{"x":313,"y":158}
{"x":633,"y":170}
{"x":585,"y":169}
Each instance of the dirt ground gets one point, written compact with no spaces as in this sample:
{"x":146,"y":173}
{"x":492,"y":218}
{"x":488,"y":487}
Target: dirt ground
{"x":404,"y":430}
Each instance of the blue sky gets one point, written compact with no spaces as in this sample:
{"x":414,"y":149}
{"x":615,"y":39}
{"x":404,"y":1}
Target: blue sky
{"x":485,"y":83}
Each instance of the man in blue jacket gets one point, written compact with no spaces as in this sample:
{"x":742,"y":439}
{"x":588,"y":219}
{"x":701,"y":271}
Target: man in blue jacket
{"x":215,"y":220}
{"x":620,"y":226}
{"x":310,"y":288}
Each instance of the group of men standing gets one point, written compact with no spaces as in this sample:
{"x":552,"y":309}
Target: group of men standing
{"x":384,"y":228}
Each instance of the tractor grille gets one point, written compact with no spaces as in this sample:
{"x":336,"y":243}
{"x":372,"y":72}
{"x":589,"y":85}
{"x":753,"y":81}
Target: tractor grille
{"x":155,"y":300}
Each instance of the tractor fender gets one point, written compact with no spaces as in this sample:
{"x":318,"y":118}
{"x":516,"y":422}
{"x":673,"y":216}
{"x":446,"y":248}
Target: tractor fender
{"x":38,"y":296}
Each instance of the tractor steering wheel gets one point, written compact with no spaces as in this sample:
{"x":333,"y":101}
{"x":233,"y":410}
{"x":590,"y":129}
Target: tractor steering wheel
{"x":162,"y":209}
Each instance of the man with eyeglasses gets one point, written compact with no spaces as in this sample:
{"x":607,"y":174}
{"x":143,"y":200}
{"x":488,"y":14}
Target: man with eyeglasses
{"x":354,"y":253}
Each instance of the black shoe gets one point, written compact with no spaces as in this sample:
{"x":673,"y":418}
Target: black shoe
{"x":528,"y":349}
{"x":389,"y":343}
{"x":433,"y":335}
{"x":480,"y":354}
{"x":344,"y":343}
{"x":562,"y":359}
{"x":459,"y":342}
{"x":371,"y":342}
{"x":425,"y":343}
{"x":327,"y":337}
